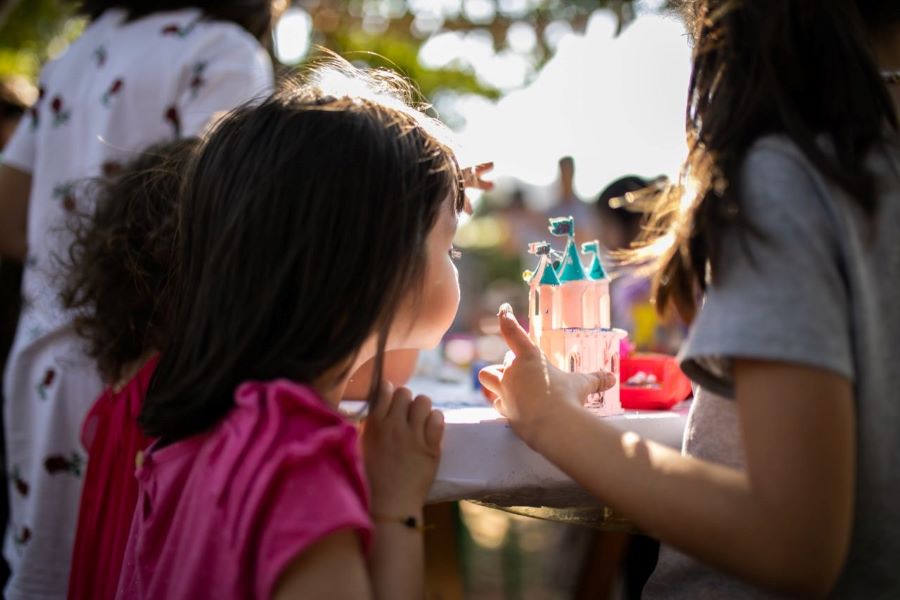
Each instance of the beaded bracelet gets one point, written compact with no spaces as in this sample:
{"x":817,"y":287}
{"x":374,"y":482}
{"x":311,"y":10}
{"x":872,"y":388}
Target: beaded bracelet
{"x":410,"y":522}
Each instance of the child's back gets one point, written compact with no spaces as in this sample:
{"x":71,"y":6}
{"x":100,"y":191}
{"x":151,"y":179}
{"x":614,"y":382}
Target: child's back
{"x":222,"y":514}
{"x":316,"y":233}
{"x":120,"y":265}
{"x":822,"y":293}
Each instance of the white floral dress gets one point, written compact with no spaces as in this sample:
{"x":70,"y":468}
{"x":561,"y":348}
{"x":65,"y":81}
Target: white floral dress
{"x":123,"y":85}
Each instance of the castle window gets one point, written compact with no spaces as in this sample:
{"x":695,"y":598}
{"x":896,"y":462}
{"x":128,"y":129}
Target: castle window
{"x":537,"y":302}
{"x":574,"y":362}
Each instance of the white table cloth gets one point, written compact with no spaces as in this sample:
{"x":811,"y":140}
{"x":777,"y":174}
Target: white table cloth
{"x":482,"y":458}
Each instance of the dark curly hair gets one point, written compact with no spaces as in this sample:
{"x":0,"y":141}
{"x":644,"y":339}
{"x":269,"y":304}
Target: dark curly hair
{"x":120,"y":260}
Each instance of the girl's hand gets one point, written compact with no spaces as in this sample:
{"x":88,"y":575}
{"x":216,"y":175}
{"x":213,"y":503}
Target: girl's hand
{"x":528,"y":390}
{"x":473,"y":179}
{"x":473,"y":176}
{"x":401,"y":441}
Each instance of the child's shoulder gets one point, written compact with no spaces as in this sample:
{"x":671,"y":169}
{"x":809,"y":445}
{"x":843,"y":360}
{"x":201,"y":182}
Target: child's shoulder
{"x":286,"y":399}
{"x":288,"y":423}
{"x":778,"y":181}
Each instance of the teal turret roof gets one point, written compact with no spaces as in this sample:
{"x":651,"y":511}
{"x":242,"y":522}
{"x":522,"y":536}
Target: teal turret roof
{"x":544,"y":269}
{"x":596,"y":271}
{"x":548,"y":275}
{"x":571,"y":268}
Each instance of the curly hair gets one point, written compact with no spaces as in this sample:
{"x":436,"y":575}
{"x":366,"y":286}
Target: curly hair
{"x":119,"y":263}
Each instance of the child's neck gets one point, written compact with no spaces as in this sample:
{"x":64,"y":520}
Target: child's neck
{"x":332,"y":395}
{"x":331,"y":385}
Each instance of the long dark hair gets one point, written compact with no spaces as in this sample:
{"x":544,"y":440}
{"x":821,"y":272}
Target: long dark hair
{"x":256,"y":16}
{"x":801,"y":68}
{"x":303,"y":229}
{"x":122,"y":255}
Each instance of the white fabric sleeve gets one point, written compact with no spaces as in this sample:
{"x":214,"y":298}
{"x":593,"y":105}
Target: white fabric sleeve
{"x":21,"y":150}
{"x":227,"y":69}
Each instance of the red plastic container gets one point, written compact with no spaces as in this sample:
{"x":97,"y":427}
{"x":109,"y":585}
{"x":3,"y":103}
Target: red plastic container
{"x":673,"y":386}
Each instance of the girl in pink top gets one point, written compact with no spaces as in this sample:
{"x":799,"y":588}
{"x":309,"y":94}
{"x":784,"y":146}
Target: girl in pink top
{"x":316,"y":234}
{"x":119,"y":265}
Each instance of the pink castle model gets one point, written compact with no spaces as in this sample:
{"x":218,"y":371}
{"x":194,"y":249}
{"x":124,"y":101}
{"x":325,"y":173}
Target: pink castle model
{"x":568,"y":313}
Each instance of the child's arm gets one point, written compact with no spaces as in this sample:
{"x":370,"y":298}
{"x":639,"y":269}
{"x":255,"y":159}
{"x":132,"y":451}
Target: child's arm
{"x":15,"y":187}
{"x":784,"y":523}
{"x":401,"y":445}
{"x":332,"y":568}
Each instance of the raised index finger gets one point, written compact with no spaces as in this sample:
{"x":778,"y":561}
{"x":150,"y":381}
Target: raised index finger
{"x":516,"y":338}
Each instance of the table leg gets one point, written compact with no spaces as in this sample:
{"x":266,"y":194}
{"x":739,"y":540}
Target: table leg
{"x":443,"y":577}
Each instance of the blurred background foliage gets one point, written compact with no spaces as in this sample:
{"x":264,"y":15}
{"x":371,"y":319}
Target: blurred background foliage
{"x":388,"y":33}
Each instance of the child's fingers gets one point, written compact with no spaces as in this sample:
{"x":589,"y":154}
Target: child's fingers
{"x":434,"y":430}
{"x":516,"y":338}
{"x":490,"y":378}
{"x":400,"y":405}
{"x":594,"y":383}
{"x":419,"y":410}
{"x":498,"y":406}
{"x":382,"y":405}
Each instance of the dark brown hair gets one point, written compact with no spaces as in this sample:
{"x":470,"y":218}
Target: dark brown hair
{"x":122,"y":256}
{"x":801,"y":68}
{"x":255,"y":16}
{"x":304,"y":228}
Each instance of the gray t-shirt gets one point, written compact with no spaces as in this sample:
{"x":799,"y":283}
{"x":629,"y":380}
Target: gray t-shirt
{"x":821,"y":289}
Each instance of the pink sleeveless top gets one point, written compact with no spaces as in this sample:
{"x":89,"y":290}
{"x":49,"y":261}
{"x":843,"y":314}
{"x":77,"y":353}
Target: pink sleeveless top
{"x":112,"y":438}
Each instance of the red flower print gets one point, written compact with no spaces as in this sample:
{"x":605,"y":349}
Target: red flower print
{"x":110,"y":168}
{"x":58,"y":463}
{"x":100,"y":55}
{"x":23,"y":537}
{"x":197,"y":80}
{"x":60,"y":114}
{"x":20,"y":484}
{"x":65,"y":193}
{"x":176,"y":30}
{"x":46,"y":382}
{"x":114,"y":88}
{"x":174,"y":119}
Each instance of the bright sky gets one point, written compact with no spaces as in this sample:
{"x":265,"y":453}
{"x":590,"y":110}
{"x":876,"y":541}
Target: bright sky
{"x":615,"y":104}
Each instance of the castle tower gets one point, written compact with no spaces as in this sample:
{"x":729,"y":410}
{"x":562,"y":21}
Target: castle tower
{"x":572,"y":278}
{"x":596,"y":300}
{"x":569,"y":313}
{"x":543,"y":312}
